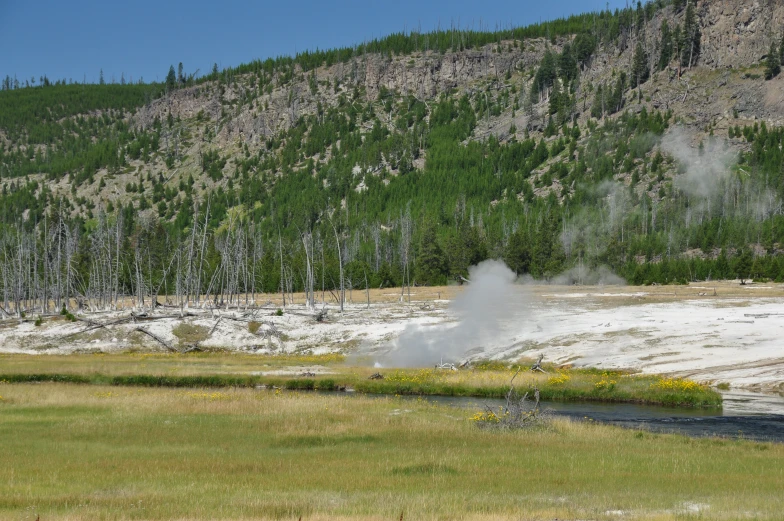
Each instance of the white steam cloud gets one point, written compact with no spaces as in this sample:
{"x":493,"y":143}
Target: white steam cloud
{"x":585,"y":276}
{"x":489,"y":303}
{"x":704,"y":171}
{"x":592,"y":232}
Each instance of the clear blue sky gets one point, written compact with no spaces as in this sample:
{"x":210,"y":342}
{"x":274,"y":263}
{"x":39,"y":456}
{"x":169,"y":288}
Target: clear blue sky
{"x":76,"y":38}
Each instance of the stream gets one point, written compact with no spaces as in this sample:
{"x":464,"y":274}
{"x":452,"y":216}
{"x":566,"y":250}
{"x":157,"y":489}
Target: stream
{"x":744,"y":415}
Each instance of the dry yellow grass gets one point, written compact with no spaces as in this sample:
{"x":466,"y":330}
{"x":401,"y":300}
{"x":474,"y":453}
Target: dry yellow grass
{"x":611,"y":294}
{"x":188,"y":333}
{"x":487,"y":379}
{"x":159,"y":363}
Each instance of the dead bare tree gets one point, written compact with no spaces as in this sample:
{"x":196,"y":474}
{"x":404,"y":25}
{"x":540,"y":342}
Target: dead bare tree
{"x":307,"y":243}
{"x":198,"y":288}
{"x":340,"y":264}
{"x":518,"y":412}
{"x":406,"y":225}
{"x":282,"y":271}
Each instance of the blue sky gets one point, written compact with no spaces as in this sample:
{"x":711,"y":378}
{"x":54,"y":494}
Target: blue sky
{"x":76,"y":38}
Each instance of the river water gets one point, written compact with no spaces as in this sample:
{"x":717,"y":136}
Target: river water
{"x":744,"y":415}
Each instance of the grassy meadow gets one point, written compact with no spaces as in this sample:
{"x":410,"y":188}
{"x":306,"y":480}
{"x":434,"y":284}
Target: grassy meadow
{"x":90,"y":452}
{"x":488,"y":379}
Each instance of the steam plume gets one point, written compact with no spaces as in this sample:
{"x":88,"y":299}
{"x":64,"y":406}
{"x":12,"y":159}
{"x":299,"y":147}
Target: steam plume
{"x":704,"y":171}
{"x":487,"y":306}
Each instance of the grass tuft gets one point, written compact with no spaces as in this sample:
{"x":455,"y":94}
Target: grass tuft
{"x":253,"y":327}
{"x":190,"y":333}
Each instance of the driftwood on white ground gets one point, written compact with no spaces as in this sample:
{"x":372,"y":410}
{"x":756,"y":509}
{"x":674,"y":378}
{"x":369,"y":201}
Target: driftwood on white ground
{"x":152,"y":335}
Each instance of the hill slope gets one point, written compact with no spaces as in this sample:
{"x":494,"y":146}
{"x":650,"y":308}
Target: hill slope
{"x":648,"y":140}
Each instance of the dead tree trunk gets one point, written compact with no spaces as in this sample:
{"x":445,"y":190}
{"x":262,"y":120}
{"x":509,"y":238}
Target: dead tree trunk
{"x":340,"y":264}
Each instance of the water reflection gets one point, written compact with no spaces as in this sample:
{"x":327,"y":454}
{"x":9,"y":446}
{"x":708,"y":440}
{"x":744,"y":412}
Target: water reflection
{"x":744,"y":415}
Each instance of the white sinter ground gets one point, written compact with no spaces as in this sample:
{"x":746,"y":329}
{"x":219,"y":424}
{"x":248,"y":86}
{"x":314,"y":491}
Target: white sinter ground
{"x":737,"y":339}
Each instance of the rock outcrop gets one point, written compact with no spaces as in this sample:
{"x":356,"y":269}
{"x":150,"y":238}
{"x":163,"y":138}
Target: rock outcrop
{"x":736,"y":34}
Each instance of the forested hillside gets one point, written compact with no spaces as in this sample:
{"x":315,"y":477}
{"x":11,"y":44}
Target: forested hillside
{"x":645,"y":142}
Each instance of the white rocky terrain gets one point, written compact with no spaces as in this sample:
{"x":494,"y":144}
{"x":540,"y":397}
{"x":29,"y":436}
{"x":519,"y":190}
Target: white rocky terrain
{"x":734,"y":336}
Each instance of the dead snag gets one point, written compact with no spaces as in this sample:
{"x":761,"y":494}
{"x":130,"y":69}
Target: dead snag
{"x":517,"y":413}
{"x":538,"y":365}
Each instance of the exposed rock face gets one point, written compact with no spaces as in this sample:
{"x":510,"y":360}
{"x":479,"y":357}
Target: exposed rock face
{"x":735,"y":34}
{"x":428,"y":75}
{"x":738,"y":33}
{"x":423,"y":75}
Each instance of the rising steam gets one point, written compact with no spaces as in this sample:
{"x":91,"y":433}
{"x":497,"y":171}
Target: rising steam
{"x":487,"y":306}
{"x":704,"y":172}
{"x":584,"y":275}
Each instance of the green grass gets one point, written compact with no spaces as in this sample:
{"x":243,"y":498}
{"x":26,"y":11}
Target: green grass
{"x":486,"y":381}
{"x":78,"y":452}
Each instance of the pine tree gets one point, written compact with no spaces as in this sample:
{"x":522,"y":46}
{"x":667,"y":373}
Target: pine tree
{"x":171,"y":79}
{"x":598,"y":106}
{"x":584,"y":47}
{"x":101,"y":81}
{"x":545,"y":75}
{"x":665,"y":56}
{"x":690,"y":48}
{"x":431,"y":261}
{"x":640,"y":70}
{"x":743,"y":265}
{"x":567,"y":64}
{"x":639,"y":17}
{"x":772,"y":63}
{"x":517,"y":254}
{"x":616,"y":99}
{"x":677,"y":41}
{"x":555,"y":98}
{"x":678,"y":5}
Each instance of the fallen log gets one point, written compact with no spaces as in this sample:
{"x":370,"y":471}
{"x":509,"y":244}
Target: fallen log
{"x":99,"y":325}
{"x":215,"y":326}
{"x":157,"y":338}
{"x":91,"y":322}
